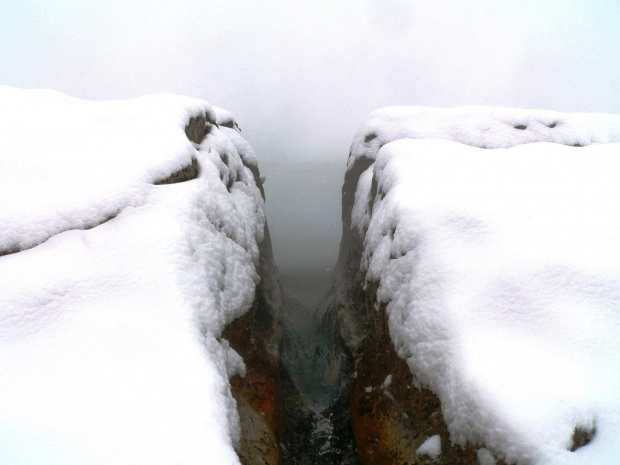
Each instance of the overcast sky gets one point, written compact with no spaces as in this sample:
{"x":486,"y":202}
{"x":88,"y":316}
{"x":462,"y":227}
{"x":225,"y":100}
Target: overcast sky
{"x":301,"y":76}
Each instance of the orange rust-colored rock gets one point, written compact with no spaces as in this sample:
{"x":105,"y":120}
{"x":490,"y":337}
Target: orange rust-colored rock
{"x":392,"y":419}
{"x":258,"y":394}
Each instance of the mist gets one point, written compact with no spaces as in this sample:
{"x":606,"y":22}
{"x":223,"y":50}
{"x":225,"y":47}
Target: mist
{"x":301,"y":77}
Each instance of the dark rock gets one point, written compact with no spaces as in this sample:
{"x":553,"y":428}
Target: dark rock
{"x":187,"y":173}
{"x":196,"y":129}
{"x":581,"y":437}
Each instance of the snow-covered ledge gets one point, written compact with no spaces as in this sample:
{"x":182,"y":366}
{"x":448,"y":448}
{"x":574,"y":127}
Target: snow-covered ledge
{"x":129,"y":239}
{"x":499,"y":275}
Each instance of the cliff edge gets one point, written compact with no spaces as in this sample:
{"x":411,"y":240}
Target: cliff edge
{"x":478,"y":283}
{"x":137,"y":294}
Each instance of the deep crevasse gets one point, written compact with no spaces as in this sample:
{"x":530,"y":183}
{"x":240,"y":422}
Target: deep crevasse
{"x":316,"y":369}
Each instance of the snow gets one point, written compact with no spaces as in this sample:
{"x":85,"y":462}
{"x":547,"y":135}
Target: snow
{"x":485,"y":457}
{"x":501,"y":274}
{"x":228,"y":125}
{"x":430,"y":448}
{"x":111,"y":336}
{"x":484,"y":127}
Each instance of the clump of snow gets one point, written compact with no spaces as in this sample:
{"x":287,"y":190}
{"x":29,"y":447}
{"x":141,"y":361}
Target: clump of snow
{"x":110,"y":336}
{"x":228,"y":125}
{"x":226,"y":119}
{"x":485,"y":457}
{"x":387,"y":382}
{"x":430,"y":448}
{"x":501,"y":274}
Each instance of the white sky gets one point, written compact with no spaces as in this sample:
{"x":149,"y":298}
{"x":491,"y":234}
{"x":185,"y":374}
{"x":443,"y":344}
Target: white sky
{"x":301,"y":76}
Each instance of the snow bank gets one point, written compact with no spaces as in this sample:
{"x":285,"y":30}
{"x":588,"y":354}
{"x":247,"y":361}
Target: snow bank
{"x":483,"y":127}
{"x":501,"y":273}
{"x":114,"y":288}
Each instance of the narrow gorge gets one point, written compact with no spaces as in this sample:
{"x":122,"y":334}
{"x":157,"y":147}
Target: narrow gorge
{"x":350,"y":397}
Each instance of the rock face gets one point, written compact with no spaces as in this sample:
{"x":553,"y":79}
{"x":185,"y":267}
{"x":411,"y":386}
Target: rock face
{"x":256,"y":337}
{"x":315,"y":372}
{"x":391,"y":417}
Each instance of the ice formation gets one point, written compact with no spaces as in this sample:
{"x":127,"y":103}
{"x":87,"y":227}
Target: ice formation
{"x":125,"y":249}
{"x":501,"y":271}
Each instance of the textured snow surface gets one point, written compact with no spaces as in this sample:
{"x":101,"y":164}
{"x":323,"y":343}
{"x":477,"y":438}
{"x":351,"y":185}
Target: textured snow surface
{"x":501,"y":270}
{"x":483,"y":127}
{"x":110,"y":349}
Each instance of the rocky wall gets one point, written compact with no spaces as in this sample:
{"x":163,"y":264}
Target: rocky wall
{"x":256,"y":338}
{"x":391,"y":418}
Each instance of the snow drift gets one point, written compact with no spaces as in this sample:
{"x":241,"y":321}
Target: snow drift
{"x":129,"y":239}
{"x":499,"y":271}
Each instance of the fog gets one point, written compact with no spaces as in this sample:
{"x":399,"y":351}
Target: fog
{"x":301,"y":77}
